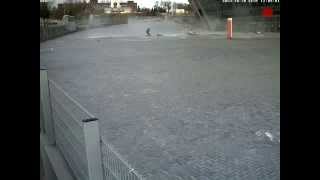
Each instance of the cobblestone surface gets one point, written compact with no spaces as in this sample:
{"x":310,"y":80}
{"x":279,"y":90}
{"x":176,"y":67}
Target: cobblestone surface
{"x":177,"y":106}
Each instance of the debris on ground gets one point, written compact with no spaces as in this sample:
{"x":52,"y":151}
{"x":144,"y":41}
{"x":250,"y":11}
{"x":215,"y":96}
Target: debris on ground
{"x":192,"y":33}
{"x":267,"y":134}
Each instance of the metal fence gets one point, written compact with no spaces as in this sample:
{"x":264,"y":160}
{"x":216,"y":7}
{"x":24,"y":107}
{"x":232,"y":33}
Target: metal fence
{"x":74,"y":131}
{"x":115,"y":166}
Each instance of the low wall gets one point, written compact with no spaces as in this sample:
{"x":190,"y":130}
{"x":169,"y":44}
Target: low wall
{"x":101,"y":20}
{"x":240,"y":24}
{"x":53,"y":31}
{"x":248,"y":24}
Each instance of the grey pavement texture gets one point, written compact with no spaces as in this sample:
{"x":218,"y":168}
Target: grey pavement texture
{"x":177,"y":106}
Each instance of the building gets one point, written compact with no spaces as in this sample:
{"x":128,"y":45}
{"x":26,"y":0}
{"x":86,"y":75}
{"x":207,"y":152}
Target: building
{"x":179,"y":9}
{"x":121,"y":7}
{"x":133,"y":6}
{"x":107,"y":6}
{"x":43,"y":4}
{"x":129,"y":7}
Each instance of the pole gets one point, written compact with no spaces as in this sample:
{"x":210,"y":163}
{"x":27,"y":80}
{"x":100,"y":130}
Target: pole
{"x":92,"y":144}
{"x":47,"y":121}
{"x":229,"y":29}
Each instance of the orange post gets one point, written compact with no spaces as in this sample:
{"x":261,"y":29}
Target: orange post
{"x":229,"y":28}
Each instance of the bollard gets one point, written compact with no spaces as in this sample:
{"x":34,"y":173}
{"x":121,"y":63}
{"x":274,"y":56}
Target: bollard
{"x":229,"y":28}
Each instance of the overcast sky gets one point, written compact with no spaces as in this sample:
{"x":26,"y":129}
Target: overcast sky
{"x":141,"y":3}
{"x":150,"y":3}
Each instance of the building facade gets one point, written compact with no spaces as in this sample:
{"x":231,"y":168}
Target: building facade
{"x":122,"y":7}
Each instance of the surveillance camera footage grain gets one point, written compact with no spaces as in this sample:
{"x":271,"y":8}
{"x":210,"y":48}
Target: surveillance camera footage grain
{"x":160,"y":89}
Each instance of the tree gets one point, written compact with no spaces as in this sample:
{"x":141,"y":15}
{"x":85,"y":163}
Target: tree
{"x":56,"y":13}
{"x":156,"y":5}
{"x":44,"y":10}
{"x":166,"y":5}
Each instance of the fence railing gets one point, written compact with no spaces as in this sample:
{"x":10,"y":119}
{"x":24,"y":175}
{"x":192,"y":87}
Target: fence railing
{"x":74,"y":132}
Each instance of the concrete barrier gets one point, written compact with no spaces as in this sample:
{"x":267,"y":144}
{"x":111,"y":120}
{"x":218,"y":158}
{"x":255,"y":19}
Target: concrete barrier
{"x":53,"y":31}
{"x":48,"y":32}
{"x":249,"y":24}
{"x":101,"y":20}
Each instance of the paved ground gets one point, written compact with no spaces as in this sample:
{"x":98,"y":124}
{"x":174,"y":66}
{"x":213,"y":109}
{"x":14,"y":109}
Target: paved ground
{"x":178,"y":106}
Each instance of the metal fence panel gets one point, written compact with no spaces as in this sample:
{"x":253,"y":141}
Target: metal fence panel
{"x":76,"y":134}
{"x":114,"y":165}
{"x":69,"y":131}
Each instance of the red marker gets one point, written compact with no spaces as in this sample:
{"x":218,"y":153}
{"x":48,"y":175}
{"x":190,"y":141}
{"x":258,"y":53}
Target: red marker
{"x":229,"y":28}
{"x":267,"y":12}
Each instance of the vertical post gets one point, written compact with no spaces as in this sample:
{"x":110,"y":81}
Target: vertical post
{"x":41,"y":119}
{"x":229,"y":28}
{"x":93,"y":151}
{"x":46,"y":106}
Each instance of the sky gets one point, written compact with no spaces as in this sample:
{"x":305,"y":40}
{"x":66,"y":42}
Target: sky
{"x":150,"y":3}
{"x":141,"y":3}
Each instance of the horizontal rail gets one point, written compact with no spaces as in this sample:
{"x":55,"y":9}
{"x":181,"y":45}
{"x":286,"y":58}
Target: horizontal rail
{"x":78,"y":146}
{"x":65,"y":109}
{"x":72,"y":99}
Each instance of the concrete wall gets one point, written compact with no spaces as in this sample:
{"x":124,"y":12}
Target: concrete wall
{"x":240,"y":24}
{"x":101,"y":20}
{"x":248,"y":24}
{"x":53,"y":31}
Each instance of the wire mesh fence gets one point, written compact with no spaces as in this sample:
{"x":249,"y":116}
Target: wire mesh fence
{"x":115,"y":167}
{"x":69,"y":117}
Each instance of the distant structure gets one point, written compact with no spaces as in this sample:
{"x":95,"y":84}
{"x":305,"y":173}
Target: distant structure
{"x":129,"y":6}
{"x":48,"y":3}
{"x":236,"y":8}
{"x":250,"y":9}
{"x":43,"y":4}
{"x":179,"y":9}
{"x":117,"y":6}
{"x":103,"y":6}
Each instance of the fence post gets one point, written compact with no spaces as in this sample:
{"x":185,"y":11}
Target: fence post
{"x":41,"y":119}
{"x":92,"y":143}
{"x":45,"y":104}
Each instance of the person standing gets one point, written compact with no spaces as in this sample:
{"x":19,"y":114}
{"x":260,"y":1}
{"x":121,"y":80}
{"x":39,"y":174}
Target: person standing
{"x":148,"y":32}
